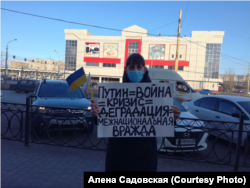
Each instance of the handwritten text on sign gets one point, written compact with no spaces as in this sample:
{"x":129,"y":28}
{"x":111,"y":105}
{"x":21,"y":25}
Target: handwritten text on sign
{"x":135,"y":110}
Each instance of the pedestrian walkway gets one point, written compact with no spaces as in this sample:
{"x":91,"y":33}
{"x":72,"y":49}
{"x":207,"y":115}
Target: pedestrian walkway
{"x":52,"y":166}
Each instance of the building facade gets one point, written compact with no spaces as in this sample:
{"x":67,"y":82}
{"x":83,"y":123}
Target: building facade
{"x":104,"y":57}
{"x":39,"y":64}
{"x":37,"y":68}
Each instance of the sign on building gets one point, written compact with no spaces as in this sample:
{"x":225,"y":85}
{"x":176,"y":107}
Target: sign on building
{"x":156,"y":51}
{"x":92,"y":49}
{"x":110,"y":50}
{"x":135,"y":110}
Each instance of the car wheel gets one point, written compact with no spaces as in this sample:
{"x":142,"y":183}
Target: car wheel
{"x":18,"y":90}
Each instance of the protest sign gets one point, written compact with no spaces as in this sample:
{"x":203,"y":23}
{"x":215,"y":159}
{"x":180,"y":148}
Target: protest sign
{"x":135,"y":110}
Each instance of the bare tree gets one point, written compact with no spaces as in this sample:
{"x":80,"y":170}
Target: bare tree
{"x":229,"y":80}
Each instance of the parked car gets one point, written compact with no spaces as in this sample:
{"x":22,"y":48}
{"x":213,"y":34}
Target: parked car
{"x":245,"y":92}
{"x":26,"y":85}
{"x":186,"y":139}
{"x":220,"y":88}
{"x":53,"y":101}
{"x":238,"y":91}
{"x":222,"y":108}
{"x":205,"y":92}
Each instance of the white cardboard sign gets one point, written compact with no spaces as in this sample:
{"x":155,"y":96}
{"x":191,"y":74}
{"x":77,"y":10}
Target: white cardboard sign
{"x":135,"y":110}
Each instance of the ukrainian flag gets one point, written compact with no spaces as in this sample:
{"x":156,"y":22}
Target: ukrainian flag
{"x":76,"y":79}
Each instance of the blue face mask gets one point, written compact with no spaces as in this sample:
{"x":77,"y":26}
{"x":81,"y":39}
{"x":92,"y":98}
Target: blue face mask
{"x":135,"y":76}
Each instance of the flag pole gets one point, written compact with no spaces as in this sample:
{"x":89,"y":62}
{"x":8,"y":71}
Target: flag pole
{"x":90,"y":87}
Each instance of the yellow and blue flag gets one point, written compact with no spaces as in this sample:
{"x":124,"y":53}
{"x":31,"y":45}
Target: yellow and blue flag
{"x":76,"y":79}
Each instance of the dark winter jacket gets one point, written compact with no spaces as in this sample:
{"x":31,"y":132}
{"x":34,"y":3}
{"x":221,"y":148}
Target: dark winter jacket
{"x":132,"y":154}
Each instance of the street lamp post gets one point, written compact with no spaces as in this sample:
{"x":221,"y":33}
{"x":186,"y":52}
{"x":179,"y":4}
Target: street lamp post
{"x":53,"y":70}
{"x":6,"y":62}
{"x":22,"y":73}
{"x":37,"y":68}
{"x":58,"y":62}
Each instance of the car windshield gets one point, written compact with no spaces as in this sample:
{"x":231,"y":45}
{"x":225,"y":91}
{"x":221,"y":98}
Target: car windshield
{"x":59,"y":90}
{"x":176,"y":103}
{"x":245,"y":105}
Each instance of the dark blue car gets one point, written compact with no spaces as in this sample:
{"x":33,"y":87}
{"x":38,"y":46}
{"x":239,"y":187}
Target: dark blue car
{"x":205,"y":92}
{"x":56,"y":107}
{"x":25,"y":85}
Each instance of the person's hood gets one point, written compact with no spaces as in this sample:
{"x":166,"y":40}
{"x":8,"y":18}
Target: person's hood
{"x":145,"y":78}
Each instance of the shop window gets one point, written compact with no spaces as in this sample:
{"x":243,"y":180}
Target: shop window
{"x":95,"y":79}
{"x":70,"y":55}
{"x":110,"y":80}
{"x":92,"y":64}
{"x":180,"y":68}
{"x":109,"y":65}
{"x":171,"y":67}
{"x":133,"y":48}
{"x":212,"y":60}
{"x":157,"y":66}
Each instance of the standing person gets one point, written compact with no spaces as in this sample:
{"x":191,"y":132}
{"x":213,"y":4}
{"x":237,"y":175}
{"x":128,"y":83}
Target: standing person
{"x":137,"y":153}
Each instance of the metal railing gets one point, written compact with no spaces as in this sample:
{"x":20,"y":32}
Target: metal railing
{"x":12,"y":121}
{"x":228,"y":143}
{"x":219,"y":142}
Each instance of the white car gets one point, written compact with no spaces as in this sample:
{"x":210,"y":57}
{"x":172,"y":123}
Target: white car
{"x":223,"y":108}
{"x":188,"y":138}
{"x":182,"y":91}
